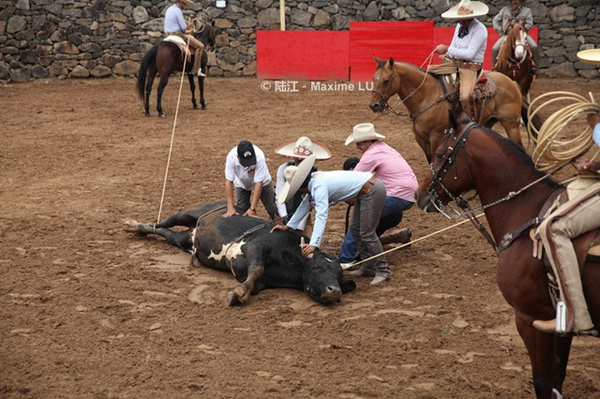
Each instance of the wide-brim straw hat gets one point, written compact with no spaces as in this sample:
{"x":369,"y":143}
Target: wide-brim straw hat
{"x":466,"y":9}
{"x":303,"y":148}
{"x":363,"y":132}
{"x":591,"y":56}
{"x":188,"y":4}
{"x":294,"y":177}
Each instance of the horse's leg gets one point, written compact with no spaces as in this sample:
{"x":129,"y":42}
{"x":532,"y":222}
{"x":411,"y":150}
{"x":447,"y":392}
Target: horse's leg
{"x":149,"y":83}
{"x":548,"y":354}
{"x":164,"y":80}
{"x":201,"y":86}
{"x":193,"y":90}
{"x":508,"y":113}
{"x":179,"y":239}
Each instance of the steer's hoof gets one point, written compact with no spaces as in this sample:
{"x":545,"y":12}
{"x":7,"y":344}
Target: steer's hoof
{"x":232,"y":299}
{"x":130,"y":225}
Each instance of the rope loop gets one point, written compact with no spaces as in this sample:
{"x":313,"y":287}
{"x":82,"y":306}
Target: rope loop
{"x":552,"y":148}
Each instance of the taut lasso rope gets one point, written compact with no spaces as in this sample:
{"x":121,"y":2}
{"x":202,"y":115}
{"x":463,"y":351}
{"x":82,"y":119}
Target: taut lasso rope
{"x":162,"y":197}
{"x":551,"y":150}
{"x":412,"y":242}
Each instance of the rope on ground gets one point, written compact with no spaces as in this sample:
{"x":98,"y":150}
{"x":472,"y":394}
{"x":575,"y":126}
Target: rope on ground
{"x":552,"y":150}
{"x":352,"y":265}
{"x":162,"y":197}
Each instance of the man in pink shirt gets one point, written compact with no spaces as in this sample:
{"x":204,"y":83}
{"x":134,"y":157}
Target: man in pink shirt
{"x":395,"y":173}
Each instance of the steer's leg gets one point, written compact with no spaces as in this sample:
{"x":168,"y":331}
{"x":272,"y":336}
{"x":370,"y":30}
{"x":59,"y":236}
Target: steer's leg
{"x":180,"y":239}
{"x":254,"y":257}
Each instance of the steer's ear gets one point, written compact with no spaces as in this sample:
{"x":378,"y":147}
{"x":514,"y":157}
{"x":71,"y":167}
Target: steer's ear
{"x":347,"y":286}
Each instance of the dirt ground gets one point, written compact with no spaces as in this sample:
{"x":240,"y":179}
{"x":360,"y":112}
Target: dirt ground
{"x":90,"y":311}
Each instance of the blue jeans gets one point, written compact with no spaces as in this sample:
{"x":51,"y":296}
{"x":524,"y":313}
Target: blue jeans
{"x":391,"y":215}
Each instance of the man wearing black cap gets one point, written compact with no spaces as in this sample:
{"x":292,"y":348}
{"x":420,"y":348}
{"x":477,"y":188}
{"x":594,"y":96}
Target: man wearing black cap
{"x":246,"y":171}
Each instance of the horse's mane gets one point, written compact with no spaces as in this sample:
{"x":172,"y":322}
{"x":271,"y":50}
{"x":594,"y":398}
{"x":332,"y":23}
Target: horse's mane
{"x":506,"y":49}
{"x":382,"y":63}
{"x":522,"y":155}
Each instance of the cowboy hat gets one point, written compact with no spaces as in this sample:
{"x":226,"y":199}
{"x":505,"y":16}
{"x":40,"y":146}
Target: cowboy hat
{"x":303,"y":148}
{"x":591,"y":56}
{"x":294,"y":177}
{"x":188,"y":3}
{"x":363,"y":132}
{"x":466,"y":9}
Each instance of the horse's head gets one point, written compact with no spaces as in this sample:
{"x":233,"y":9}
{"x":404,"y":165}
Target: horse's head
{"x":449,"y":175}
{"x":518,"y":40}
{"x":386,"y":83}
{"x":204,"y":32}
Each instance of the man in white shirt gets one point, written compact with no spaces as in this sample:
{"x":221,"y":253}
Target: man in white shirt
{"x":175,"y":25}
{"x":467,"y":47}
{"x":247,"y":178}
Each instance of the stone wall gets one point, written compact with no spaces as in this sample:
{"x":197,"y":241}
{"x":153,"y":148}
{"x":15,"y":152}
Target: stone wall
{"x":42,"y":39}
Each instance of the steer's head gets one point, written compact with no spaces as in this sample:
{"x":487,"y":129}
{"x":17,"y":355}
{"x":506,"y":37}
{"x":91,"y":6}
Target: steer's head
{"x":322,"y":279}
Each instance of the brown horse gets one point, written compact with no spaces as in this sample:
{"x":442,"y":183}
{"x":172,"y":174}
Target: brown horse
{"x":424,"y":97}
{"x":515,"y":58}
{"x":165,"y":58}
{"x":511,"y":197}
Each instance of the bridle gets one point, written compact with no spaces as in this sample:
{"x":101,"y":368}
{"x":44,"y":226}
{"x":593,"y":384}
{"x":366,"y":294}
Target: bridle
{"x":447,"y":160}
{"x":514,"y":62}
{"x":382,"y":99}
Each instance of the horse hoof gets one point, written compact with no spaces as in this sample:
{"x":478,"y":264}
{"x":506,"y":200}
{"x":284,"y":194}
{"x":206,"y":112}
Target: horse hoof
{"x":161,"y":114}
{"x":203,"y":107}
{"x":147,"y":114}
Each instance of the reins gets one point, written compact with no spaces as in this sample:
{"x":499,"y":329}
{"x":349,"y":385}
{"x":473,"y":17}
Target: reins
{"x":409,"y":243}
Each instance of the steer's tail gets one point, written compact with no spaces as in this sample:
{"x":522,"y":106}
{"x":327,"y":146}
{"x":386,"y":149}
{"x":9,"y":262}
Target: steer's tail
{"x":148,"y":60}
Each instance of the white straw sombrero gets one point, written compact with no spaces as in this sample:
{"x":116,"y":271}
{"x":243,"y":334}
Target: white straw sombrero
{"x":294,"y":177}
{"x":591,"y":56}
{"x":466,"y":9}
{"x":303,"y":148}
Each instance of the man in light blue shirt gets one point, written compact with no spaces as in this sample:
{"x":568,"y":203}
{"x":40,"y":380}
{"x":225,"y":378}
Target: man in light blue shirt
{"x":175,"y":25}
{"x":325,"y":188}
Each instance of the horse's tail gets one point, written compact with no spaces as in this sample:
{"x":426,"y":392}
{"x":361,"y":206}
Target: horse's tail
{"x":148,"y":59}
{"x":536,"y":121}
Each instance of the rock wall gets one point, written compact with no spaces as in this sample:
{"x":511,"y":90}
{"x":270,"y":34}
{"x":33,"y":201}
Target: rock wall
{"x":67,"y":38}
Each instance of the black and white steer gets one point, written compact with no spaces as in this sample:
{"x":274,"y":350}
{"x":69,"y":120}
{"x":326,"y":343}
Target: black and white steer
{"x":257,"y":258}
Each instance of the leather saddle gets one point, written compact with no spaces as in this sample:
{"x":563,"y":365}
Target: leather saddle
{"x":180,"y":42}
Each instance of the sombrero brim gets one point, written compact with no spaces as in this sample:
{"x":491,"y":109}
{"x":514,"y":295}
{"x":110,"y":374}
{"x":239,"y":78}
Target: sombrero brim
{"x":290,"y":188}
{"x":479,"y":10}
{"x":351,"y":139}
{"x":591,"y":56}
{"x":319,"y":150}
{"x":189,"y":4}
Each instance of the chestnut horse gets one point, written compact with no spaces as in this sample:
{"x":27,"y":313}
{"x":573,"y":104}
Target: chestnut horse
{"x":515,"y":59}
{"x":164,"y":59}
{"x":424,"y":97}
{"x":512,"y":192}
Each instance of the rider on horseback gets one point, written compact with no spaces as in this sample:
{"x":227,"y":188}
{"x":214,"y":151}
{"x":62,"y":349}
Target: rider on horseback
{"x":175,"y":25}
{"x":556,"y":233}
{"x":467,"y":48}
{"x":504,"y":21}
